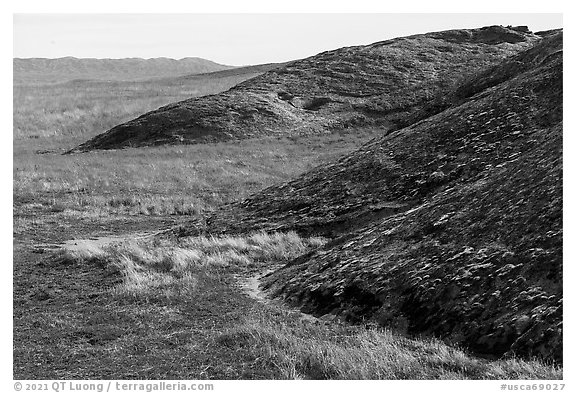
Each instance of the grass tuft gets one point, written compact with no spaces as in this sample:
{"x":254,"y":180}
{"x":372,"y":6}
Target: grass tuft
{"x":168,"y":268}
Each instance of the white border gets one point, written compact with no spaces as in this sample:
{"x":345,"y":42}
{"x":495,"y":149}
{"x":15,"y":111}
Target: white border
{"x":295,"y":6}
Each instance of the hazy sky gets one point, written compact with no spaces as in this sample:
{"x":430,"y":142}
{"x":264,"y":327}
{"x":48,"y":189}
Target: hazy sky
{"x":235,"y":39}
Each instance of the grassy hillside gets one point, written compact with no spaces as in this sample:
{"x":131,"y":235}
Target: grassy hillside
{"x":397,"y":172}
{"x":473,"y":193}
{"x":378,"y":84}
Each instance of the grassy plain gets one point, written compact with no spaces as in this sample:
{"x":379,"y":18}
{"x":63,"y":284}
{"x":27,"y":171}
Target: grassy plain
{"x":166,"y":308}
{"x":172,"y":180}
{"x":84,"y":108}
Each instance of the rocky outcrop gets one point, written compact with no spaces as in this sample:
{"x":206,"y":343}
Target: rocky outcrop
{"x":375,"y":85}
{"x":450,"y":227}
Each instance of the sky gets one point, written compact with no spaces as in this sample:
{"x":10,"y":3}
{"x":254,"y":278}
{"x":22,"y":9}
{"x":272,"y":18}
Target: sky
{"x":234,"y":39}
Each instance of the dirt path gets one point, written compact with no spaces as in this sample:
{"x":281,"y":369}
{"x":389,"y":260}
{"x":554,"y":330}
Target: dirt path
{"x":250,"y":286}
{"x":97,"y":242}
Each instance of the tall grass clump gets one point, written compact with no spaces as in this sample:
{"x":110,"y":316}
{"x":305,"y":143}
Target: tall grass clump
{"x":172,"y":267}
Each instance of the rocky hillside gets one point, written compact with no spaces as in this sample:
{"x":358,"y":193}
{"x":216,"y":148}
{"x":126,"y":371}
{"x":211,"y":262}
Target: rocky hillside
{"x":451,"y":226}
{"x":374,"y":85}
{"x":40,"y":70}
{"x":479,"y":265}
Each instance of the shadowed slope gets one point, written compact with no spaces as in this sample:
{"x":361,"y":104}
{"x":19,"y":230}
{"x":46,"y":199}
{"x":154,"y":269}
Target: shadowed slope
{"x":479,"y":265}
{"x":378,"y":84}
{"x":398,"y":171}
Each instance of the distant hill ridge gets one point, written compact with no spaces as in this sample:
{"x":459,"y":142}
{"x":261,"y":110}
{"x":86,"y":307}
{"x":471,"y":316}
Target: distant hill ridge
{"x":371,"y":85}
{"x":63,"y":69}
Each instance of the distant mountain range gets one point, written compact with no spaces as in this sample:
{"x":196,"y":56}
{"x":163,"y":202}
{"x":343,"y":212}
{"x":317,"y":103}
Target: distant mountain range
{"x":42,"y":70}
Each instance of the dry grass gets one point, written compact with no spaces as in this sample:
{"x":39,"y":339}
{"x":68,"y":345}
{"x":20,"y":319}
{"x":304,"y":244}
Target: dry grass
{"x":279,"y":339}
{"x":85,"y":108}
{"x":170,"y":180}
{"x":297,"y":349}
{"x":168,"y":268}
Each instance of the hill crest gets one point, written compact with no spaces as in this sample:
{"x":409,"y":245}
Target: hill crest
{"x":362,"y":86}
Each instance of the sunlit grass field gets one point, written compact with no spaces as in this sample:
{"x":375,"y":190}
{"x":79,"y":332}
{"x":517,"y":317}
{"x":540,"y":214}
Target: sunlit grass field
{"x":89,"y":107}
{"x":170,"y":180}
